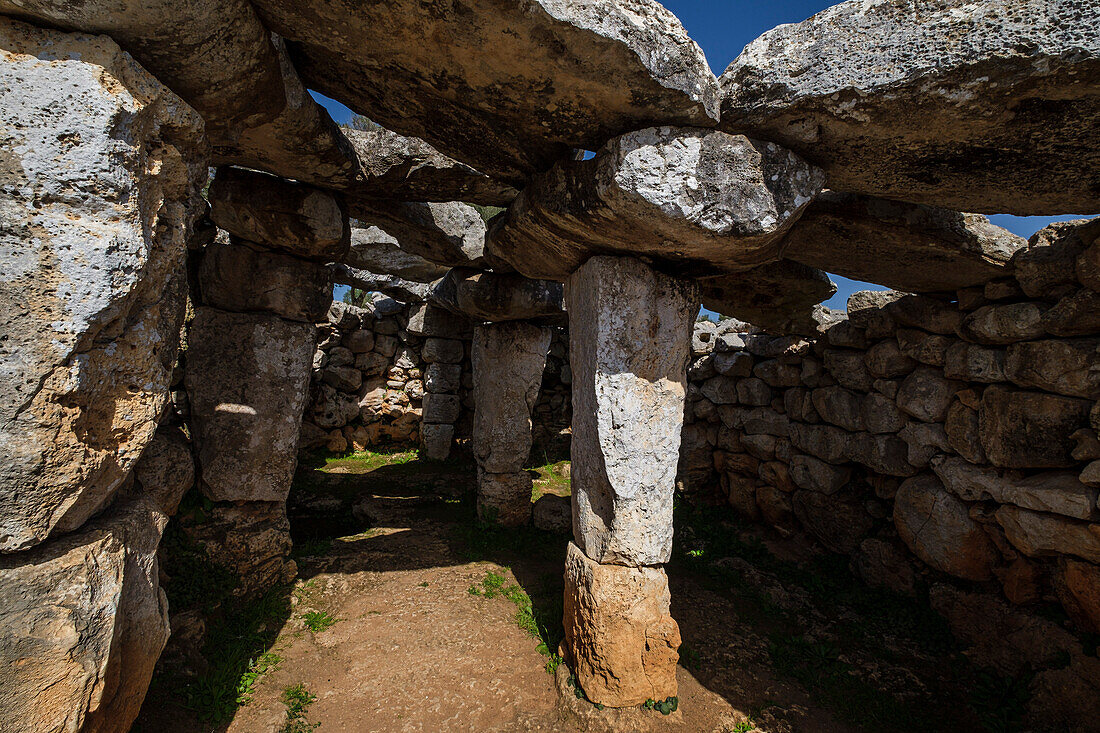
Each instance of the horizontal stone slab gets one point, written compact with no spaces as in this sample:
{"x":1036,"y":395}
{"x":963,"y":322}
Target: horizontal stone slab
{"x":236,"y":277}
{"x":408,"y":169}
{"x":508,"y":88}
{"x":220,"y":58}
{"x":495,"y":297}
{"x":450,"y":234}
{"x":907,"y":247}
{"x":977,"y":105}
{"x":376,"y":251}
{"x":779,"y":297}
{"x":389,"y":285}
{"x":699,"y":202}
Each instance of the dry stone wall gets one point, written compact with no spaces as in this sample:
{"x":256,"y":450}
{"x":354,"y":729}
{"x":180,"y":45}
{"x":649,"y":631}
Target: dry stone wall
{"x":945,"y":444}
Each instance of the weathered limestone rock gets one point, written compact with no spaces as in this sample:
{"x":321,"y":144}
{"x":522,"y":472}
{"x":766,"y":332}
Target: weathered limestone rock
{"x":1077,"y":314}
{"x":451,"y":234}
{"x":926,"y":395}
{"x":252,"y":540}
{"x":1029,"y":429}
{"x":938,"y":529}
{"x":903,"y":246}
{"x":166,"y":470}
{"x":553,"y":513}
{"x":589,"y":72}
{"x":495,"y":297}
{"x":1004,"y":324}
{"x":886,"y":565}
{"x":374,"y":250}
{"x":442,"y":351}
{"x":436,"y":441}
{"x":629,"y":339}
{"x":1048,"y":267}
{"x":908,"y":102}
{"x":223,"y":62}
{"x":101,"y":188}
{"x":974,"y":363}
{"x":1057,"y":492}
{"x":779,"y":296}
{"x":280,"y":214}
{"x":867,"y":310}
{"x":814,"y":474}
{"x":1078,"y":586}
{"x":885,"y":360}
{"x":688,"y":197}
{"x":397,"y":288}
{"x":1036,"y":534}
{"x":247,"y":379}
{"x":238,"y":277}
{"x":431,"y":320}
{"x":440,"y":409}
{"x":82,"y":622}
{"x":963,"y":430}
{"x":621,"y":640}
{"x":1066,"y":366}
{"x":837,"y":524}
{"x":508,"y":360}
{"x":408,"y":169}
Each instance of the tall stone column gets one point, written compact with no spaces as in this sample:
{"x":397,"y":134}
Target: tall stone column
{"x":508,"y":360}
{"x":629,"y":345}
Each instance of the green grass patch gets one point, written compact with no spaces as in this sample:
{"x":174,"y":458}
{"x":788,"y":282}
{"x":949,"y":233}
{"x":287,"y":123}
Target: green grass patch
{"x":297,"y":700}
{"x":318,"y":621}
{"x":238,"y":651}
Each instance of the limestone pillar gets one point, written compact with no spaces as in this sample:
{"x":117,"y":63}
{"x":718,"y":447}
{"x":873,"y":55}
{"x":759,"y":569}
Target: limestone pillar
{"x":508,"y":360}
{"x":629,"y":345}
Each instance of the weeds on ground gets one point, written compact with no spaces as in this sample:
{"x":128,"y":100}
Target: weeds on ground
{"x":318,"y":621}
{"x":237,"y":649}
{"x":297,"y":700}
{"x":194,"y":580}
{"x":544,"y":625}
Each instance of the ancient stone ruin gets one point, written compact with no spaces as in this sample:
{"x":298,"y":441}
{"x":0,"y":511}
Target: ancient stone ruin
{"x":177,"y":209}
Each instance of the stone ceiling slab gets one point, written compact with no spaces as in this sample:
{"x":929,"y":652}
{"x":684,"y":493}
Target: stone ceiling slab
{"x":695,"y":201}
{"x":780,"y":296}
{"x":907,"y":247}
{"x":450,"y":234}
{"x":219,"y":57}
{"x":977,"y":105}
{"x":376,"y":251}
{"x":507,"y":87}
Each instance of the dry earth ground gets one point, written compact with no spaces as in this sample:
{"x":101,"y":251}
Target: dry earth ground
{"x":407,"y":615}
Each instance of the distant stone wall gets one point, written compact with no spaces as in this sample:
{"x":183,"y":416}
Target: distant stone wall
{"x":394,"y":375}
{"x":945,"y":444}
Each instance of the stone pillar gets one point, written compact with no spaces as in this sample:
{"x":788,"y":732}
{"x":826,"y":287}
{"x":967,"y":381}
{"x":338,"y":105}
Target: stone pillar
{"x":440,"y":377}
{"x":508,"y":360}
{"x":250,"y":359}
{"x":629,"y":345}
{"x":102,"y":171}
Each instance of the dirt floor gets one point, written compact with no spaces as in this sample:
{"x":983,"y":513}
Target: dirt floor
{"x":408,"y":615}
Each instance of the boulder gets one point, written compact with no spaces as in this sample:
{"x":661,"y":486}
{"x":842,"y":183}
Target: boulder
{"x":441,"y":409}
{"x":885,"y":565}
{"x":696,"y":200}
{"x":973,"y":363}
{"x":1029,"y":429}
{"x":813,"y":474}
{"x":963,"y":430}
{"x":1078,"y":586}
{"x":589,"y":72}
{"x":779,"y":296}
{"x":101,"y":190}
{"x":907,"y":102}
{"x":1037,"y":534}
{"x":629,"y":345}
{"x":867,"y":310}
{"x":280,"y":214}
{"x":885,"y":360}
{"x":907,"y":247}
{"x":443,"y":378}
{"x":508,"y":360}
{"x":840,"y":407}
{"x":450,"y":234}
{"x":926,"y":395}
{"x":937,"y":527}
{"x":847,"y":367}
{"x":837,"y":524}
{"x":430,"y":320}
{"x":622,"y":642}
{"x":495,"y":297}
{"x":238,"y":277}
{"x":1056,"y":492}
{"x":1077,"y":314}
{"x":82,"y":622}
{"x":436,"y":441}
{"x":930,"y":349}
{"x":221,"y":60}
{"x":247,"y":379}
{"x":442,"y":351}
{"x":1004,"y":324}
{"x":409,"y":169}
{"x":925,"y":441}
{"x":1065,"y":366}
{"x":250,"y":539}
{"x":166,"y":470}
{"x":377,"y":251}
{"x":504,"y":498}
{"x":1048,"y":266}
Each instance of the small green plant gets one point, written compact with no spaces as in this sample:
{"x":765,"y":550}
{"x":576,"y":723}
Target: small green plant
{"x":318,"y":621}
{"x":689,"y":657}
{"x":257,"y":668}
{"x":744,"y":727}
{"x":665,"y":707}
{"x":297,"y":700}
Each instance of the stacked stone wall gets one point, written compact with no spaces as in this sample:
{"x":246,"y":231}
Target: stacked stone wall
{"x":947,"y":445}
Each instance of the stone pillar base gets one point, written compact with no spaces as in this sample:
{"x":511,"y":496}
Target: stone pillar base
{"x":621,"y":640}
{"x":504,"y":498}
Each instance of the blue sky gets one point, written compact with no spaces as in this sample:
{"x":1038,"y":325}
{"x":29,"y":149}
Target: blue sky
{"x":722,"y":29}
